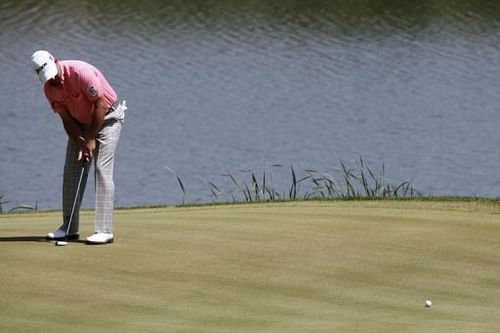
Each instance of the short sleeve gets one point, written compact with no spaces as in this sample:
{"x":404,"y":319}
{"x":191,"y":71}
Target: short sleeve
{"x":90,"y":84}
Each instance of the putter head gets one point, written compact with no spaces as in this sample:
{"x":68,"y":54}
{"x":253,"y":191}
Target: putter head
{"x":61,"y":243}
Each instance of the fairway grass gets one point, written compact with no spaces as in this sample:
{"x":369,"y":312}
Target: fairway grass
{"x":318,"y":266}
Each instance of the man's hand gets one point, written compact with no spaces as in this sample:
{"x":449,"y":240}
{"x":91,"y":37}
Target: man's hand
{"x":86,"y":149}
{"x":89,"y":149}
{"x":80,"y":143}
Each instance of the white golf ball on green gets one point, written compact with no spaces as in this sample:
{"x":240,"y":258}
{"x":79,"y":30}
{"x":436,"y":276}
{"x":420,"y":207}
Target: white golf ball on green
{"x":428,"y":303}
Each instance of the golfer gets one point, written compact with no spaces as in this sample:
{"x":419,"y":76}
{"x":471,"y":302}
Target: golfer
{"x":92,"y":117}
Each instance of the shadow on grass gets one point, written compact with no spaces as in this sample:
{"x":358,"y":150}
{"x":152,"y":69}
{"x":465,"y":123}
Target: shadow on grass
{"x":39,"y":239}
{"x":24,"y":239}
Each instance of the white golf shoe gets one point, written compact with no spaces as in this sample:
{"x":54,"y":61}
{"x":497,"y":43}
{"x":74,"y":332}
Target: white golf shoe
{"x":100,"y":238}
{"x":60,"y":234}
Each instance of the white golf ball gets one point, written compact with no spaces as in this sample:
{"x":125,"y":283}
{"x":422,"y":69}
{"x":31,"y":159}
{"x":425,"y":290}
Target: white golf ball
{"x":428,"y":304}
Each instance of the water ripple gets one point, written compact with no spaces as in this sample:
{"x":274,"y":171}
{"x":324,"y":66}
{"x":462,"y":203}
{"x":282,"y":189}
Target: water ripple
{"x":218,"y":83}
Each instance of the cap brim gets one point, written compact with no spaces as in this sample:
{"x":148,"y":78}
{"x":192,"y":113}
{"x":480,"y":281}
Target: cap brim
{"x":49,"y":72}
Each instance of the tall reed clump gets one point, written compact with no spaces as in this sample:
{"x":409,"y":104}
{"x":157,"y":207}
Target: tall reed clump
{"x":357,"y":183}
{"x":347,"y":183}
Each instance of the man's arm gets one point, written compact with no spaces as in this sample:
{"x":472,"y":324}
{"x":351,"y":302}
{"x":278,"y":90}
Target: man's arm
{"x":96,"y":124}
{"x":73,"y":130}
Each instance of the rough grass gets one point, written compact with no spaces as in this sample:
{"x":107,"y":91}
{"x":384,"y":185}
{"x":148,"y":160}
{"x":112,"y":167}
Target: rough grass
{"x":349,"y":266}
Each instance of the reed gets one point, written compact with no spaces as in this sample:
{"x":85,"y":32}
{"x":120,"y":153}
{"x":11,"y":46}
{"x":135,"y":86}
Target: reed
{"x":359,"y":182}
{"x":16,"y":208}
{"x":180,"y":182}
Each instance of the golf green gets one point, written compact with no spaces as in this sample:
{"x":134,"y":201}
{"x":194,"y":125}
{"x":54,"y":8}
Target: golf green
{"x":318,"y":266}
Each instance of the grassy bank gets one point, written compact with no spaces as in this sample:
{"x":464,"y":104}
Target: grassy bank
{"x":315,"y":266}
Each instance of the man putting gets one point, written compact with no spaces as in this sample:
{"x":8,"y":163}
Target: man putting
{"x":92,"y":116}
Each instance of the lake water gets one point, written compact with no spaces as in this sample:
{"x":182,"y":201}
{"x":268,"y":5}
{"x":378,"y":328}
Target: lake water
{"x":215,"y":87}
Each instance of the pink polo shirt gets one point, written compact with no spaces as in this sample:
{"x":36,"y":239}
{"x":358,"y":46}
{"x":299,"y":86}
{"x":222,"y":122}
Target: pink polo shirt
{"x":82,"y":84}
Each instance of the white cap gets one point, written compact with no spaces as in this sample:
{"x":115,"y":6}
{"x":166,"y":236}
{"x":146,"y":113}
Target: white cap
{"x":44,"y":65}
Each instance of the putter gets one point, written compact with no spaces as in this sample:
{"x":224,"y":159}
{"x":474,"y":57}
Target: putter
{"x":65,"y":241}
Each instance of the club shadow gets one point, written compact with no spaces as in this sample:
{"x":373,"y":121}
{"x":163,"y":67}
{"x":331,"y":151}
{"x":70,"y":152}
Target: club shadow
{"x":24,"y":239}
{"x":39,"y":239}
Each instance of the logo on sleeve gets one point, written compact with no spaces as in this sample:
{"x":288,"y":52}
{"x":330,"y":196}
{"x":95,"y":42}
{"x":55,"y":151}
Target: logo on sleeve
{"x":92,"y":91}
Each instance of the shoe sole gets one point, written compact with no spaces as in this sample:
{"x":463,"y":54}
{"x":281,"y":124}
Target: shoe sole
{"x":100,"y":243}
{"x":70,"y":237}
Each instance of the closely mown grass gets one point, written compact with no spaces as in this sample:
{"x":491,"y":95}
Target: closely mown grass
{"x":350,"y":182}
{"x":296,"y":266}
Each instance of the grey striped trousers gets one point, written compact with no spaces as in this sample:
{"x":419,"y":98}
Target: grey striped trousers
{"x":107,"y":141}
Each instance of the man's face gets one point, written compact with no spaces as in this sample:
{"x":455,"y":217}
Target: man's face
{"x":56,"y":81}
